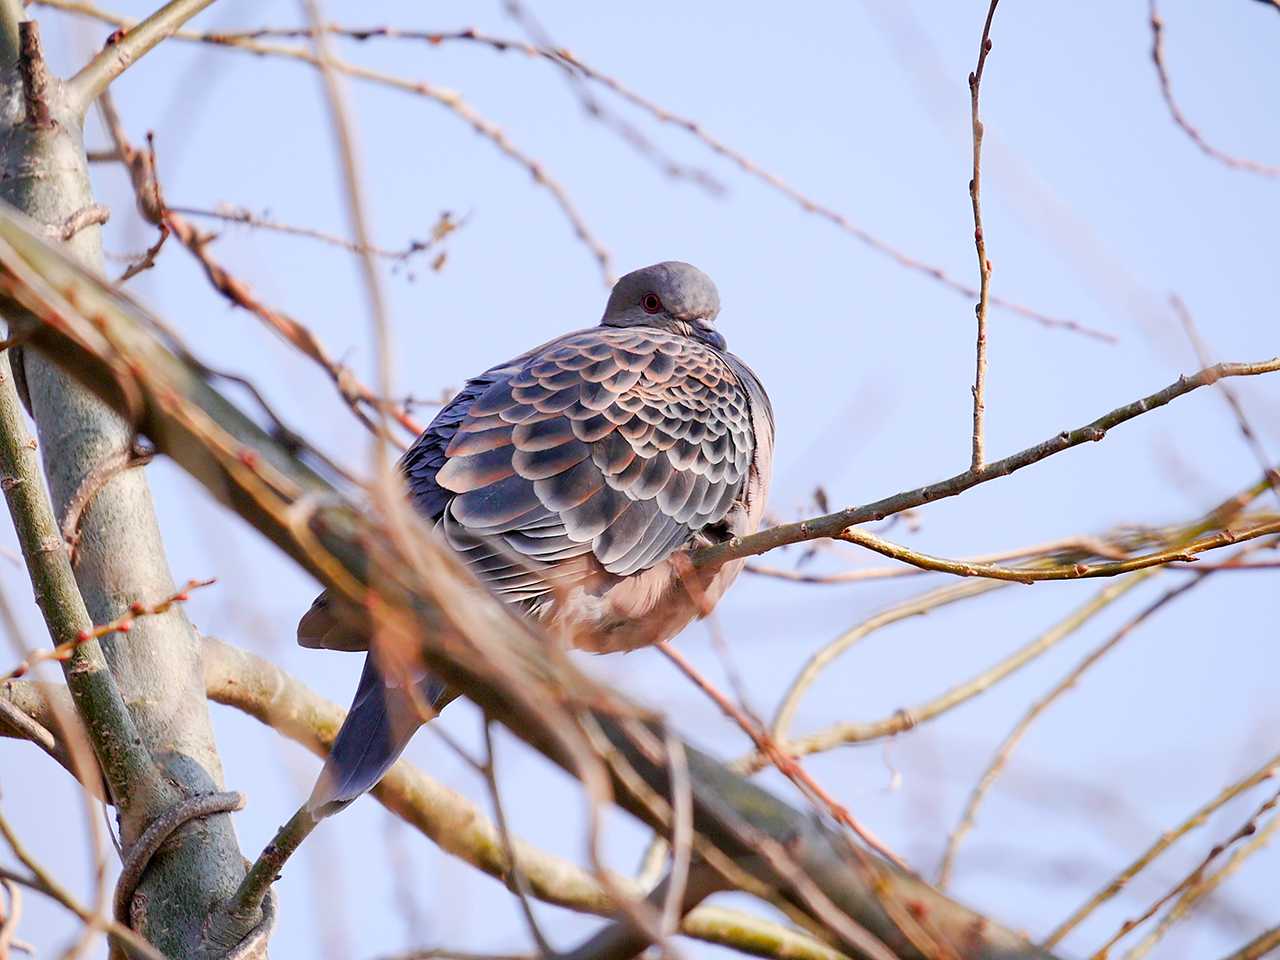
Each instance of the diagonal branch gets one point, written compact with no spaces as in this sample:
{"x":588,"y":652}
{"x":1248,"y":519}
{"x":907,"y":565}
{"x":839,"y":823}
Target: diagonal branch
{"x":834,"y":524}
{"x":426,"y":599}
{"x":87,"y":85}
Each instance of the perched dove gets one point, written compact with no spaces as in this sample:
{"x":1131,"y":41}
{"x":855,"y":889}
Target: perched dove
{"x":568,"y":479}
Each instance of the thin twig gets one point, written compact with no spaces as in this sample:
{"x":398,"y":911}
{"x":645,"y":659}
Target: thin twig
{"x":1265,"y":772}
{"x":151,"y":205}
{"x":1190,"y":881}
{"x":358,"y":219}
{"x":1195,"y":895}
{"x":673,"y":908}
{"x":1179,"y":553}
{"x":630,"y":134}
{"x":1251,"y":438}
{"x":980,"y":243}
{"x":766,"y":745}
{"x":43,"y":881}
{"x":1268,"y":940}
{"x":516,"y":881}
{"x":444,"y":226}
{"x":1065,"y":548}
{"x":1014,"y":737}
{"x":907,"y":718}
{"x":1166,"y":91}
{"x":122,"y":624}
{"x":148,"y":258}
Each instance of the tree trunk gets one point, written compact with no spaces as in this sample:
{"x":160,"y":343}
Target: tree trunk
{"x":119,"y":557}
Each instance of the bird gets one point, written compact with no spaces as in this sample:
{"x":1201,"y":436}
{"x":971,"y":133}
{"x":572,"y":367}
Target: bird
{"x":570,"y":480}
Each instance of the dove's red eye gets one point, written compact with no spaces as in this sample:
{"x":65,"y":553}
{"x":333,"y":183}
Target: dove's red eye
{"x":650,"y":303}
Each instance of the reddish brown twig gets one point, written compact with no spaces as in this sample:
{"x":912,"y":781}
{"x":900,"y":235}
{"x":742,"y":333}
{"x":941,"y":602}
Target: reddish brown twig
{"x":148,"y":258}
{"x":1187,"y":127}
{"x":122,"y":624}
{"x":1248,"y":829}
{"x":787,"y":764}
{"x":141,"y":166}
{"x":443,"y":226}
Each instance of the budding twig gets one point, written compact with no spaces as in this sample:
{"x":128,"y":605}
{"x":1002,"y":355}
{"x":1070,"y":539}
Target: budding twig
{"x":122,"y":624}
{"x":980,"y":243}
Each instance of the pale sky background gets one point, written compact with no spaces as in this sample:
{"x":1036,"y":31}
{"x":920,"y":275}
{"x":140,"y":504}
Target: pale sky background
{"x":1096,"y":207}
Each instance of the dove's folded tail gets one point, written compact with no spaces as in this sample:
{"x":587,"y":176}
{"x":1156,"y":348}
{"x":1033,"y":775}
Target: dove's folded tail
{"x":384,"y":716}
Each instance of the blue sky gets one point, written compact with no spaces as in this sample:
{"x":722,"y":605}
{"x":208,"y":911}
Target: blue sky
{"x":1097,"y":208}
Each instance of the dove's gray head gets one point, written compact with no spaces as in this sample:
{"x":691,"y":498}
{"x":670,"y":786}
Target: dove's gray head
{"x":672,"y":295}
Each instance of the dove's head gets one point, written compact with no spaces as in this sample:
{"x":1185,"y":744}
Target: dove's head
{"x":672,"y":295}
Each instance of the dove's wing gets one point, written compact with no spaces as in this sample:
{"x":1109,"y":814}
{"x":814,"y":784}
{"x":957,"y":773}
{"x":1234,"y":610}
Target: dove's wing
{"x":598,"y":454}
{"x":607,"y":449}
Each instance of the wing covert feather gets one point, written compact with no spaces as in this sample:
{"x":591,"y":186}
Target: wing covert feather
{"x":617,"y":444}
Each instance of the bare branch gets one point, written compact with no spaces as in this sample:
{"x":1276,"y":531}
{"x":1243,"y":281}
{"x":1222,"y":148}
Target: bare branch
{"x":1195,"y":885}
{"x":1265,"y":772}
{"x":357,"y":217}
{"x":787,"y":765}
{"x":980,"y":243}
{"x":1250,"y":435}
{"x":1063,"y":549}
{"x":87,"y":85}
{"x":910,"y":717}
{"x":834,"y":524}
{"x":1201,"y":888}
{"x":1166,"y":91}
{"x":444,"y":226}
{"x":1014,"y":737}
{"x":1179,"y":553}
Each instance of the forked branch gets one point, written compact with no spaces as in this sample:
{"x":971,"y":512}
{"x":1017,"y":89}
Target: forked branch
{"x":87,"y":85}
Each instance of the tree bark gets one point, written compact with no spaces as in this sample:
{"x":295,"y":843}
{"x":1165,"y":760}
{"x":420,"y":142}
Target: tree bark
{"x":119,"y":556}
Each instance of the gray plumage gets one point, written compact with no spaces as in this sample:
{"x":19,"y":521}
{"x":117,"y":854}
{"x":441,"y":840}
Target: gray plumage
{"x":567,"y":478}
